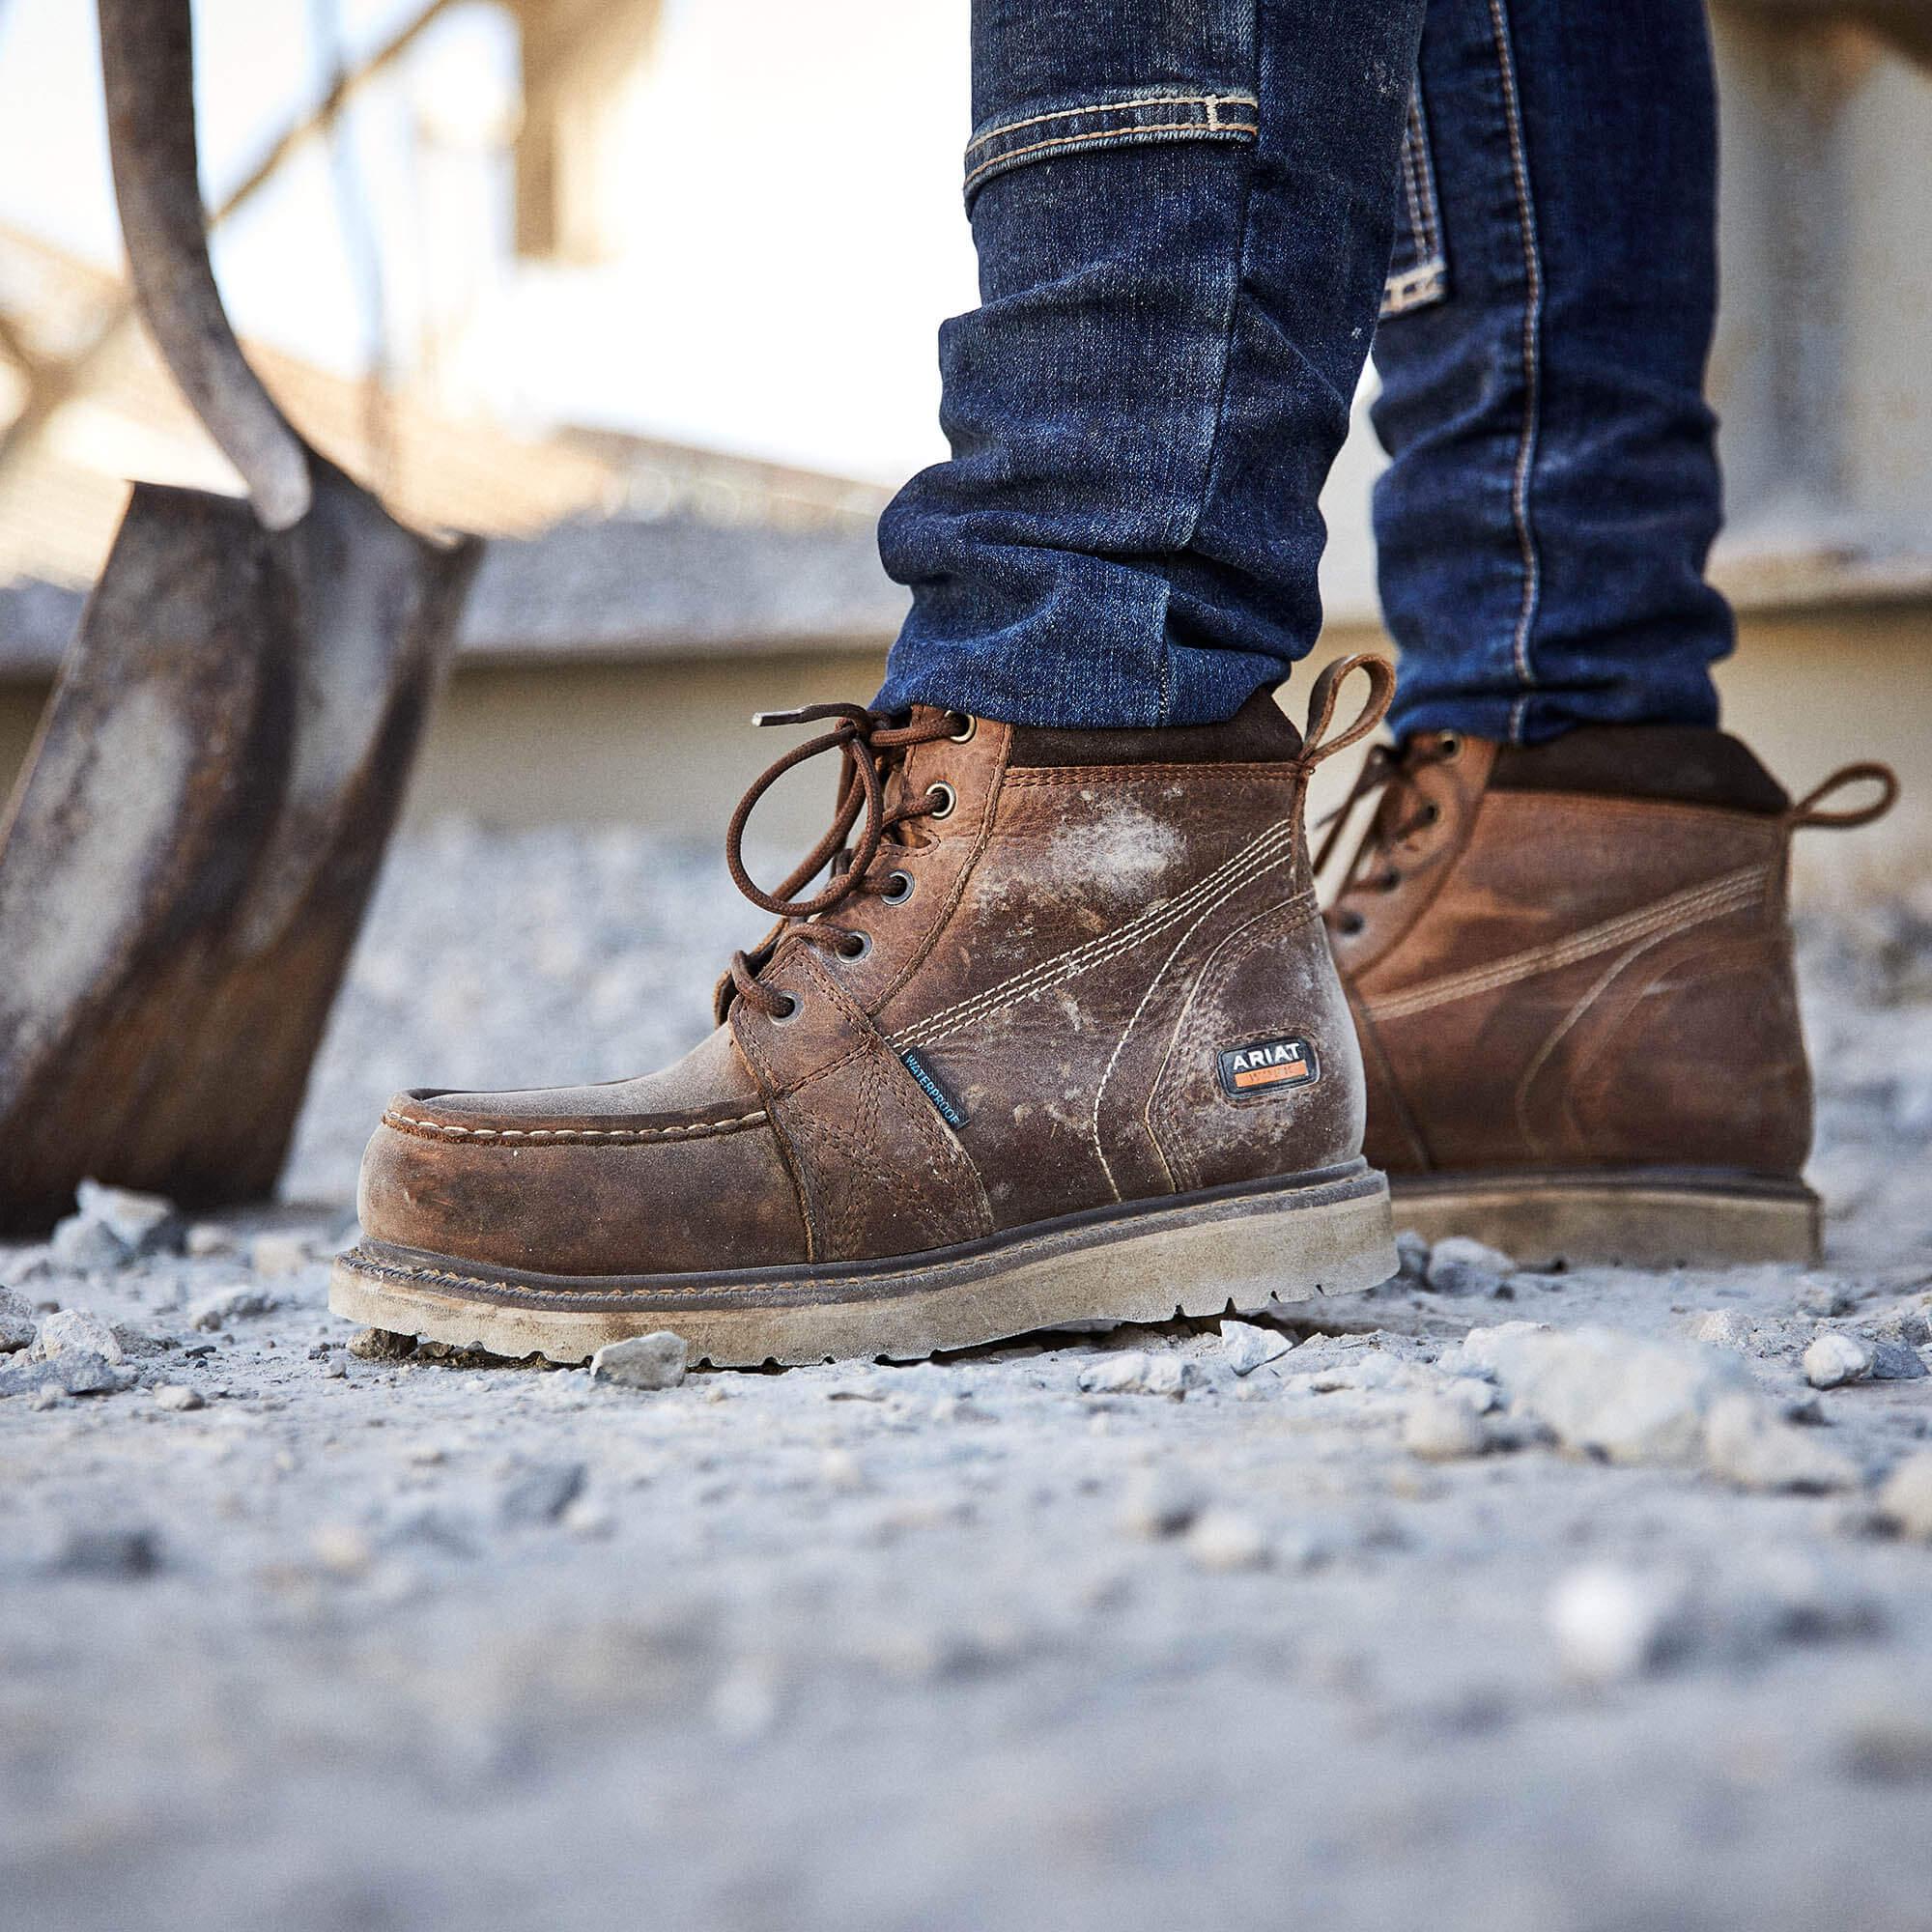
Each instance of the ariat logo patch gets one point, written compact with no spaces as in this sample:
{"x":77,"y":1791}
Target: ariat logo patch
{"x":941,"y":1099}
{"x":1248,"y":1072}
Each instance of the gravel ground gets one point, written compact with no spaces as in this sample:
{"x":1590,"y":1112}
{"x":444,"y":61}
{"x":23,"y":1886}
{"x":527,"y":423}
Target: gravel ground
{"x":1489,"y":1600}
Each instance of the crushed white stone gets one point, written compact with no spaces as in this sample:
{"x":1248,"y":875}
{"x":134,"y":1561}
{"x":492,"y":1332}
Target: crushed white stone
{"x":1603,"y":1393}
{"x":1134,"y":1372}
{"x":1749,"y":1445}
{"x":76,"y":1331}
{"x":1835,"y":1358}
{"x":655,"y":1361}
{"x":1225,"y":1539}
{"x":1613,"y":1623}
{"x":1442,"y":1429}
{"x":1905,"y":1501}
{"x":1246,"y":1346}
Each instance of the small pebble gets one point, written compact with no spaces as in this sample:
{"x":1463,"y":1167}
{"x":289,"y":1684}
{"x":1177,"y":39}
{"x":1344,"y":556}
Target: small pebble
{"x":141,"y":1224}
{"x":1247,"y":1346}
{"x":1748,"y":1444}
{"x":77,"y":1330}
{"x":19,"y":1322}
{"x":1134,"y":1372}
{"x":1612,"y":1624}
{"x":215,"y":1311}
{"x":273,"y":1256}
{"x":541,"y":1492}
{"x":206,"y":1239}
{"x":1460,"y":1265}
{"x":1159,"y":1504}
{"x":655,"y":1361}
{"x":1835,"y":1358}
{"x":1411,"y":1255}
{"x":381,"y":1344}
{"x":1224,"y":1539}
{"x":1896,"y":1362}
{"x":1905,"y":1501}
{"x":121,"y":1555}
{"x":342,"y":1549}
{"x":178,"y":1396}
{"x":1442,"y":1429}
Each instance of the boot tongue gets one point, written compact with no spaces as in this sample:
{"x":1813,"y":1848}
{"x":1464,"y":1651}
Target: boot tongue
{"x":1680,"y":762}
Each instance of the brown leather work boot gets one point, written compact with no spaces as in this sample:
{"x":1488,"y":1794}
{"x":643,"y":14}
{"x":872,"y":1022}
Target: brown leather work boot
{"x":1571,"y":970}
{"x":1059,"y":1041}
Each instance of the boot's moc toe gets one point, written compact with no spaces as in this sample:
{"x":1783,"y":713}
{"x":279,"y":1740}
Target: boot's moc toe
{"x":1570,"y":971}
{"x":1058,"y":1038}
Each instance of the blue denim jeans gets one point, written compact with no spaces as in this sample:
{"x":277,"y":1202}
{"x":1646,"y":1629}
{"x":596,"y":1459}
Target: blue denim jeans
{"x":1192,"y":218}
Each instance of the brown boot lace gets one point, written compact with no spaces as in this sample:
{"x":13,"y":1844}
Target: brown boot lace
{"x":1404,"y":811}
{"x":869,"y":744}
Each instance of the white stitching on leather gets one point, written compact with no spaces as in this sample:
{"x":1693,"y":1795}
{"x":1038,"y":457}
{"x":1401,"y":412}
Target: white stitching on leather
{"x":450,"y":1130}
{"x":1260,"y":856}
{"x":1687,"y":908}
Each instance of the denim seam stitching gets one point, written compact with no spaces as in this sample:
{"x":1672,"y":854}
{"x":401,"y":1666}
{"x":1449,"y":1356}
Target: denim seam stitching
{"x":1212,"y":103}
{"x":1211,"y":468}
{"x":1532,"y":334}
{"x":1113,"y":137}
{"x":1423,"y":279}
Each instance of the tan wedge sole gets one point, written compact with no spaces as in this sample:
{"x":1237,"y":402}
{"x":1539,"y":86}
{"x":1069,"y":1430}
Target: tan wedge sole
{"x":1640,"y":1217}
{"x":1200,"y":1254}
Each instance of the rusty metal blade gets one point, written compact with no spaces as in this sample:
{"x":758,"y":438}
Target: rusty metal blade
{"x":180,"y":880}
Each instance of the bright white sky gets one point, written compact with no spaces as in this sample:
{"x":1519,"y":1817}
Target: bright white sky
{"x":791,"y":229}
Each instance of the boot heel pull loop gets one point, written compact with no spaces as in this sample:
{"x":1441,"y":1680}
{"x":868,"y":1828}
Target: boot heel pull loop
{"x":1328,"y":682}
{"x":1805,"y":811}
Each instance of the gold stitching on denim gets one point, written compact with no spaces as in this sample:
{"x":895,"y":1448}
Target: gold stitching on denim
{"x":1211,"y":101}
{"x":1117,"y":136}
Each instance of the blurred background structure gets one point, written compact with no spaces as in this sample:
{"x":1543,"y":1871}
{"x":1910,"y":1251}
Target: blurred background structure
{"x":648,"y":288}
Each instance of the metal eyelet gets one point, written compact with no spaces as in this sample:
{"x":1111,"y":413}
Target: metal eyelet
{"x":1431,"y":814}
{"x":857,"y":945}
{"x":1450,"y":744}
{"x":897,"y":888}
{"x":966,"y":736}
{"x":947,"y":797}
{"x":793,"y":1007}
{"x":1349,"y":923}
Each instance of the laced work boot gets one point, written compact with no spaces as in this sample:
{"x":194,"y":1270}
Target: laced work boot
{"x":1059,"y":1039}
{"x":1571,"y":970}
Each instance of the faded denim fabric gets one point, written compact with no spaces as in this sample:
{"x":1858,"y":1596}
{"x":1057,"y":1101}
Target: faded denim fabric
{"x":1189,"y":215}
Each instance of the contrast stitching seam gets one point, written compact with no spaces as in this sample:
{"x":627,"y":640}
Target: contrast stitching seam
{"x":1245,"y":939}
{"x":1223,"y":775}
{"x":1254,"y":860}
{"x":450,"y":1130}
{"x":1115,"y":137}
{"x":1213,"y":103}
{"x":1532,"y":331}
{"x":1119,"y":1046}
{"x":1687,"y":908}
{"x":1599,"y":985}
